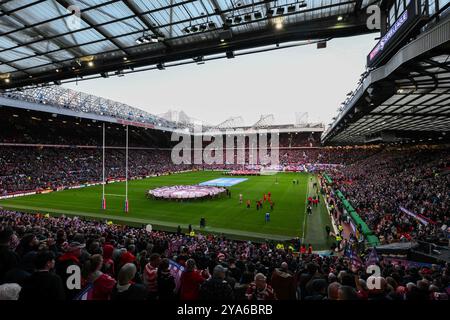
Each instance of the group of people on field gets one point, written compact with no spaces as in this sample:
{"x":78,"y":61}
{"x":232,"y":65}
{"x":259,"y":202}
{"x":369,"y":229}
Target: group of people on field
{"x":267,"y":198}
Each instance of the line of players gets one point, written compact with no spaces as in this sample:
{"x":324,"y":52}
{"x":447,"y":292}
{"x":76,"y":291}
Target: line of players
{"x":267,"y":197}
{"x":259,"y":203}
{"x":312,"y":202}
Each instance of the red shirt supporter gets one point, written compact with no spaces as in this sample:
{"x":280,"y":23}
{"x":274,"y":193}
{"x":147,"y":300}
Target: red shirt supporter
{"x":151,"y":274}
{"x":102,"y":284}
{"x":302,"y":249}
{"x":190,"y":282}
{"x":126,"y":257}
{"x":190,"y":285}
{"x":103,"y":287}
{"x":108,"y":262}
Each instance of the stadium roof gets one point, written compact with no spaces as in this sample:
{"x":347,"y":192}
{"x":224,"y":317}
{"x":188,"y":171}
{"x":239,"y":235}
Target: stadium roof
{"x":53,"y":40}
{"x":405,"y":100}
{"x":68,"y":102}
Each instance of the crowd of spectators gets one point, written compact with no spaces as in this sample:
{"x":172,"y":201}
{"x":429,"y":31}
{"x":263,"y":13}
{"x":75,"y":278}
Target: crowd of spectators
{"x":330,"y":155}
{"x":42,"y":168}
{"x":416,"y":179}
{"x":53,"y":168}
{"x":22,"y":127}
{"x":128,"y":263}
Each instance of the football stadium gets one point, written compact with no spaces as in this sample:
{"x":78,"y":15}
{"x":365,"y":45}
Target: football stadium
{"x":105,"y":198}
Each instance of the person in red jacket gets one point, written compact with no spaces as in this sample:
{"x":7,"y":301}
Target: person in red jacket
{"x":190,"y":281}
{"x":303,"y":249}
{"x":108,"y":262}
{"x":102,"y":284}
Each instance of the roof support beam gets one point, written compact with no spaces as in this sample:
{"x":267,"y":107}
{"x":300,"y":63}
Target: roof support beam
{"x":91,"y":23}
{"x":39,"y":23}
{"x":142,"y":14}
{"x":297,"y":32}
{"x":8,"y":64}
{"x":323,"y":26}
{"x":406,"y":114}
{"x":8,"y":12}
{"x":436,"y":64}
{"x":218,"y":10}
{"x":58,"y":42}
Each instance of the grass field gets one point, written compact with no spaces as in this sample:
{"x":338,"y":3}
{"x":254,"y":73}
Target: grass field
{"x":223,"y":215}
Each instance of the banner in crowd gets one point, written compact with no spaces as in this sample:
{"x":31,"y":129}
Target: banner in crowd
{"x":406,"y":263}
{"x":372,"y":259}
{"x":354,"y":258}
{"x":424,"y":220}
{"x":176,"y":270}
{"x":86,"y":293}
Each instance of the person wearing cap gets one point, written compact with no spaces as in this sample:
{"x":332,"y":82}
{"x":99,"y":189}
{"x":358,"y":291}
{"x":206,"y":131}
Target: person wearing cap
{"x":217,"y":288}
{"x":221,"y":257}
{"x":71,"y":257}
{"x":260,"y":290}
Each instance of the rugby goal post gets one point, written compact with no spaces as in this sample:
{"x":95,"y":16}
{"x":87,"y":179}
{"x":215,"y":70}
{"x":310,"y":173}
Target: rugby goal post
{"x":126,"y":205}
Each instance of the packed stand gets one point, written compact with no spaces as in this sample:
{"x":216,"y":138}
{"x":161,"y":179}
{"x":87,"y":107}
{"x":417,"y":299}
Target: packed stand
{"x":416,"y":179}
{"x":53,"y":168}
{"x":125,"y":263}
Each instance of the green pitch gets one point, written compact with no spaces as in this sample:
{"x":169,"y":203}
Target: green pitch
{"x":224,"y":215}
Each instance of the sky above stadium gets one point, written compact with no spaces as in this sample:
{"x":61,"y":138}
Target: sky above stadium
{"x":281,"y":82}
